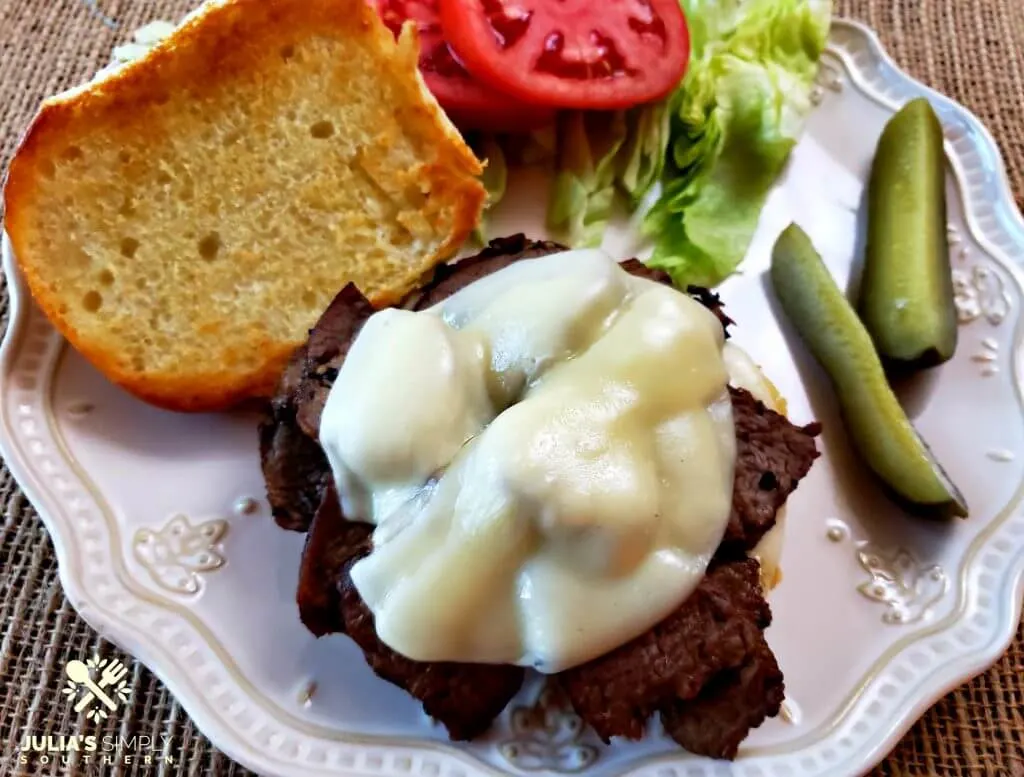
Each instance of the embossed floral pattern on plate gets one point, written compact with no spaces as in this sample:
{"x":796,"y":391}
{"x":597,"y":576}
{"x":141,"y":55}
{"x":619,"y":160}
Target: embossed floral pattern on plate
{"x":908,"y":588}
{"x":548,"y":735}
{"x":177,"y":555}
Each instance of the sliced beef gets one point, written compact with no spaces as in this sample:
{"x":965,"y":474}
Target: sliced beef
{"x":294,"y":466}
{"x":295,"y":470}
{"x":328,"y":345}
{"x":332,"y":542}
{"x":712,"y":302}
{"x":465,"y":698}
{"x":706,"y":669}
{"x":727,"y":708}
{"x":772,"y":456}
{"x":717,"y":629}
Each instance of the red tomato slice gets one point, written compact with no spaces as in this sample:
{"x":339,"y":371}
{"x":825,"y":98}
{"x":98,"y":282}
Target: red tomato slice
{"x":598,"y":54}
{"x":468,"y":102}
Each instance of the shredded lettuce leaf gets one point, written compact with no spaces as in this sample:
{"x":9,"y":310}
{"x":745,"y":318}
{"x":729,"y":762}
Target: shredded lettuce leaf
{"x":541,"y":147}
{"x":494,"y":178}
{"x":642,"y":159}
{"x":733,"y":123}
{"x":583,"y":192}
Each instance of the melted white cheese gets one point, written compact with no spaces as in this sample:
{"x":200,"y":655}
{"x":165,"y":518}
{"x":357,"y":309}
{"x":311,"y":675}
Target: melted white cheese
{"x":547,"y":455}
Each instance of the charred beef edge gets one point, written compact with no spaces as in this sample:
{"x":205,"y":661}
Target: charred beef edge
{"x":708,"y":695}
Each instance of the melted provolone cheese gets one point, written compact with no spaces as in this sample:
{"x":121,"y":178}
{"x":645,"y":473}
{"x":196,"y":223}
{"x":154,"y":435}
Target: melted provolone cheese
{"x":548,"y":458}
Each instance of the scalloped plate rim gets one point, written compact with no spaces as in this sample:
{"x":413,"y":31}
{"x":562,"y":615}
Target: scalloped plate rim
{"x":145,"y":648}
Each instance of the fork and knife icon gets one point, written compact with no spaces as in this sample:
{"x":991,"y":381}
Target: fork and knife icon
{"x":112,"y":674}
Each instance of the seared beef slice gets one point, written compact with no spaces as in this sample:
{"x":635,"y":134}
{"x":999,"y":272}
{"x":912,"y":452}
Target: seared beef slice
{"x":295,"y":469}
{"x":717,"y":629}
{"x":772,"y":456}
{"x":466,"y":698}
{"x":736,"y":700}
{"x":463,"y":697}
{"x":327,"y":348}
{"x":706,"y":669}
{"x":331,"y":544}
{"x":294,"y":466}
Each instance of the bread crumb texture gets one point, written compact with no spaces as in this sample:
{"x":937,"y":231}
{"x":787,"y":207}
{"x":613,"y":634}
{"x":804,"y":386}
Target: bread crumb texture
{"x":184,"y":222}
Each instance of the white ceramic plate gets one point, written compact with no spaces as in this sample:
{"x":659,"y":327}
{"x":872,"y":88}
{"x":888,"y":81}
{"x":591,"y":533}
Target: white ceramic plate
{"x":166,"y":546}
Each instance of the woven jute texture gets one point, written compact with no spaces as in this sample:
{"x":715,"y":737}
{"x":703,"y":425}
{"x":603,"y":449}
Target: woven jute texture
{"x":972,"y":50}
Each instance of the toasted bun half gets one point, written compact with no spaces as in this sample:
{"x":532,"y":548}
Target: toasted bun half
{"x":184,"y":221}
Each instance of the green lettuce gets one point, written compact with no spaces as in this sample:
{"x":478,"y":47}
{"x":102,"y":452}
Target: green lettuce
{"x":541,"y":146}
{"x":732,"y":124}
{"x":583,"y":192}
{"x":494,"y":178}
{"x":642,"y":158}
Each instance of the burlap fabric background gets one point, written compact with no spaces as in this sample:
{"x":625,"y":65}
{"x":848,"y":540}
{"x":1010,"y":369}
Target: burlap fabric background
{"x":973,"y":50}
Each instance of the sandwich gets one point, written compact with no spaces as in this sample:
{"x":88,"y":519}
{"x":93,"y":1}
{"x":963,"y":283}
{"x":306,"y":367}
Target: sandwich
{"x":490,"y":509}
{"x":532,"y":459}
{"x":183,"y":220}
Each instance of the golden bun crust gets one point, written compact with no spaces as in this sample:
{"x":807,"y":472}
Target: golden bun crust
{"x":184,"y":221}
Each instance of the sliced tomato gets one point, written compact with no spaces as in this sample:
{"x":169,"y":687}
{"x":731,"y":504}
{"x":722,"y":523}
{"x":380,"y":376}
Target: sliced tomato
{"x":468,"y":102}
{"x":598,"y":54}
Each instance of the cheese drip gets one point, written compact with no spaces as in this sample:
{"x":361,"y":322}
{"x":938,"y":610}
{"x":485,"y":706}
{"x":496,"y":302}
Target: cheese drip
{"x":547,"y":456}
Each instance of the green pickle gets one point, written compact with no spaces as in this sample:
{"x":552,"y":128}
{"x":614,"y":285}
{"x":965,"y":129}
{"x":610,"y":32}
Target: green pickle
{"x":874,"y":419}
{"x":906,"y":292}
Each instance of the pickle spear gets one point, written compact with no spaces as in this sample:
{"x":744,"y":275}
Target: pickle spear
{"x":906,"y":293}
{"x":874,"y":419}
